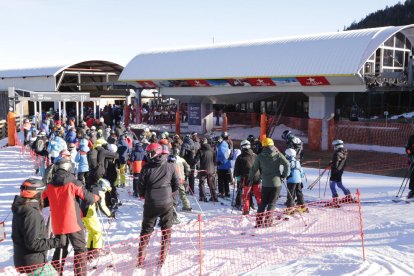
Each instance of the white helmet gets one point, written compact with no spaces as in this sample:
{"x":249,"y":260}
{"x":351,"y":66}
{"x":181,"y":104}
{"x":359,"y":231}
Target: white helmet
{"x":146,"y":129}
{"x":104,"y":185}
{"x":245,"y":144}
{"x":338,"y":144}
{"x":112,"y":148}
{"x":290,"y":153}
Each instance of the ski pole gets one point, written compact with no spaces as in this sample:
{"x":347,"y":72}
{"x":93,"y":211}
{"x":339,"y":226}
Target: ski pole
{"x":232,"y":200}
{"x":319,"y":177}
{"x":107,"y":236}
{"x":326,"y":184}
{"x":405,"y":180}
{"x":300,"y":214}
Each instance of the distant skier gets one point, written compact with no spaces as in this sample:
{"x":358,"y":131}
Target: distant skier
{"x":409,"y":149}
{"x":293,"y":142}
{"x":337,"y":169}
{"x":244,"y":163}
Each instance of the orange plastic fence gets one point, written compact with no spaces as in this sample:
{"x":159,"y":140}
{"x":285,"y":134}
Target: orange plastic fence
{"x":229,"y":245}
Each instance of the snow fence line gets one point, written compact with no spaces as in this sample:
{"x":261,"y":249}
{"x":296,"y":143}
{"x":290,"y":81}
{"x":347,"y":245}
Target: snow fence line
{"x":227,"y":245}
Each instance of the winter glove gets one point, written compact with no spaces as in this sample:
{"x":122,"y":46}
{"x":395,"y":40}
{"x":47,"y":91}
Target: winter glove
{"x":61,"y":241}
{"x":112,"y":215}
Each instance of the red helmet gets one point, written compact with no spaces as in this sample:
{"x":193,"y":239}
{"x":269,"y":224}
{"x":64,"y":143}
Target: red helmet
{"x":165,"y":149}
{"x":153,"y":150}
{"x":31,"y":187}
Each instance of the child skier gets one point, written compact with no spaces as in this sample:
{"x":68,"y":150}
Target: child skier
{"x":294,"y":183}
{"x":91,"y":220}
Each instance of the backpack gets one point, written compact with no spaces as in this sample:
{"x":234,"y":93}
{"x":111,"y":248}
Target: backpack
{"x":39,"y":146}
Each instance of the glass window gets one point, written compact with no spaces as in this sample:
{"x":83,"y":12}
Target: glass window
{"x":388,"y":57}
{"x":372,"y":57}
{"x":269,"y":108}
{"x":390,"y":42}
{"x":398,"y":59}
{"x":250,"y":107}
{"x":407,"y":44}
{"x":262,"y":106}
{"x":405,"y":59}
{"x":399,"y":40}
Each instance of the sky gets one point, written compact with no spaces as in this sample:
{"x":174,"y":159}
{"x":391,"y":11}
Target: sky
{"x":39,"y":33}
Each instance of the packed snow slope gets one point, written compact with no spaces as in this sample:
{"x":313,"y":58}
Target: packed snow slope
{"x":389,"y":226}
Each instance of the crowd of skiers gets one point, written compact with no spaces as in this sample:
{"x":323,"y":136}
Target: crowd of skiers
{"x":82,"y":166}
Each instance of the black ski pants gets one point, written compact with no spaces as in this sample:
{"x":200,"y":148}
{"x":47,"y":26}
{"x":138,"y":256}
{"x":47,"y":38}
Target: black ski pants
{"x":270,"y":195}
{"x":203,"y":177}
{"x":224,"y":179}
{"x":294,"y":191}
{"x":77,"y":240}
{"x":151,"y":215}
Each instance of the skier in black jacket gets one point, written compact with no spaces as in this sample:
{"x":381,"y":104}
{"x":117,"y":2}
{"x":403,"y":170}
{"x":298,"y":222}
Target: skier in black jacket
{"x":157,"y":182}
{"x":337,"y":168}
{"x":244,"y":163}
{"x":29,"y":234}
{"x":207,"y":158}
{"x":409,"y":149}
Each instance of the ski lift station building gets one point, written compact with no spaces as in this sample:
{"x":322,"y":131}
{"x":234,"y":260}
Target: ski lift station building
{"x":98,"y":79}
{"x":317,"y":67}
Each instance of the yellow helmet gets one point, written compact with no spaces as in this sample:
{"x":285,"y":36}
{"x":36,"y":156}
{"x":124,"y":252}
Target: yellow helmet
{"x":267,"y":142}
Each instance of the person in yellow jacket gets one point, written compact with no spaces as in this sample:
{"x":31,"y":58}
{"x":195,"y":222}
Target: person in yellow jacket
{"x":91,"y":220}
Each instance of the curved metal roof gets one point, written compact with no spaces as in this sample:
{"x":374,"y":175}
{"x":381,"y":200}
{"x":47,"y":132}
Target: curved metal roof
{"x":329,"y":54}
{"x":95,"y":65}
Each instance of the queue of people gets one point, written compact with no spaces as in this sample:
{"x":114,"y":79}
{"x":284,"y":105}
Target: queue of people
{"x":82,"y":167}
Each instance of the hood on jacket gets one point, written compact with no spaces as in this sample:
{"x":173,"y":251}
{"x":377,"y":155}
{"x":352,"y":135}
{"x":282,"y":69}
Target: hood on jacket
{"x":20,"y":204}
{"x":205,"y":147}
{"x":138,"y":147}
{"x":271,"y":151}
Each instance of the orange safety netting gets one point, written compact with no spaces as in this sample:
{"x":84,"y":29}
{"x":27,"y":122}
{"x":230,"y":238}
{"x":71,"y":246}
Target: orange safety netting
{"x":229,"y":245}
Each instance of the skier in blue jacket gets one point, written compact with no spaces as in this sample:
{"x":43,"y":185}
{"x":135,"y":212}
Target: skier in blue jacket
{"x":223,"y":167}
{"x":82,"y":161}
{"x":294,"y":182}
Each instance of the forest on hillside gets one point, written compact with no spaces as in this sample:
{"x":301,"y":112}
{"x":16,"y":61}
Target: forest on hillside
{"x":397,"y":15}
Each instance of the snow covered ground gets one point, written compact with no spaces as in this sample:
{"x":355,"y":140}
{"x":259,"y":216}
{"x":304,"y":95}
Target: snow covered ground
{"x":389,"y":226}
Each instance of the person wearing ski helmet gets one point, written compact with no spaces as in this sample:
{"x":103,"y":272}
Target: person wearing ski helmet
{"x":158,"y":180}
{"x":224,"y":157}
{"x":91,"y":220}
{"x":188,"y":152}
{"x":137,"y":159}
{"x":207,"y":173}
{"x":183,"y":170}
{"x":338,"y":164}
{"x":294,"y":182}
{"x":244,"y":163}
{"x":293,"y":142}
{"x":255,"y":144}
{"x":273,"y":167}
{"x":29,"y":233}
{"x":65,"y":190}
